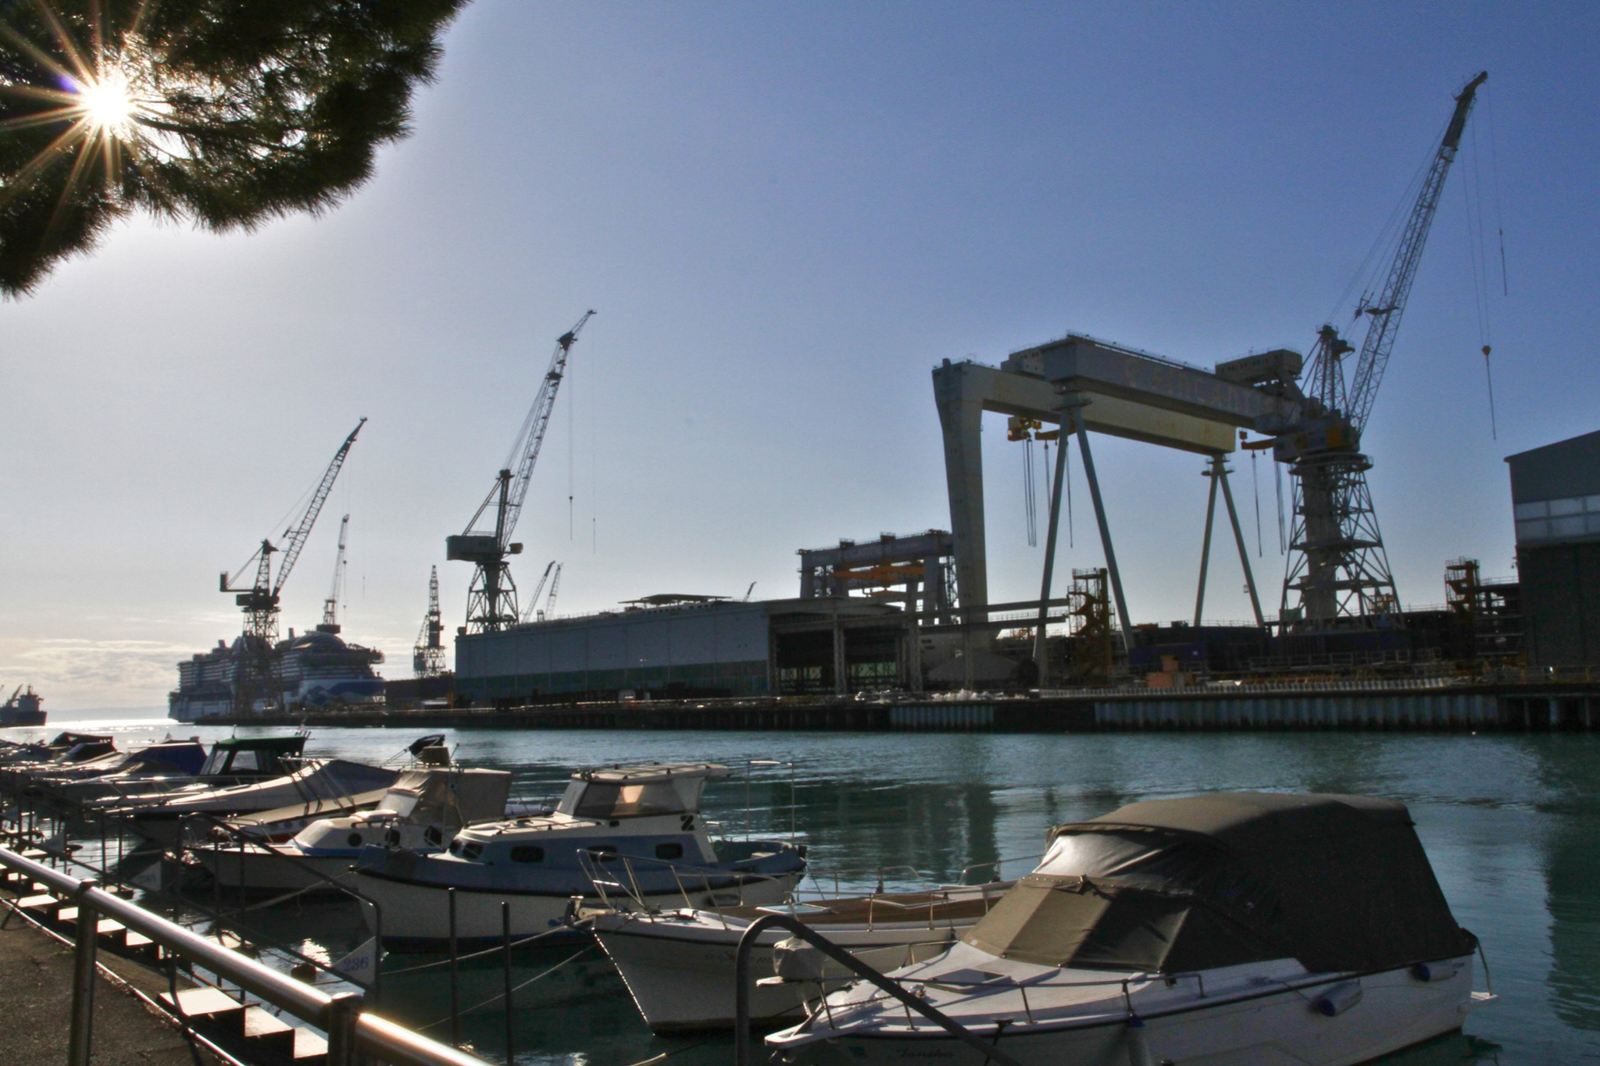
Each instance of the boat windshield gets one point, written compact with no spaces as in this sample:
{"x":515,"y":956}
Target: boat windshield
{"x":215,"y":760}
{"x":597,"y":799}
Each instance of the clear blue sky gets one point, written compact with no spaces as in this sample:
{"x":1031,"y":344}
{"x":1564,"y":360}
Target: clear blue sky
{"x":785,"y":216}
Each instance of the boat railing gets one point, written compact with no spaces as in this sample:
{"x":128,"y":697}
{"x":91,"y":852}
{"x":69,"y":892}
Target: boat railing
{"x":862,"y":970}
{"x":351,"y":1032}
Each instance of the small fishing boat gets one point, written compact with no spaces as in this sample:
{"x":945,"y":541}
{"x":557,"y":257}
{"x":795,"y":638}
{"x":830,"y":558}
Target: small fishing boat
{"x":679,"y":964}
{"x":422,"y":811}
{"x":638,"y":825}
{"x":1231,"y":929}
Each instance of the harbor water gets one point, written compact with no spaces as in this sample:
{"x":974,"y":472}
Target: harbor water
{"x":1510,"y":821}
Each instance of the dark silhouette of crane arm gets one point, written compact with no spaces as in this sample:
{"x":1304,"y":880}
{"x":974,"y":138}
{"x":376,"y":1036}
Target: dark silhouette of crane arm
{"x":1383,"y":316}
{"x":295,"y":538}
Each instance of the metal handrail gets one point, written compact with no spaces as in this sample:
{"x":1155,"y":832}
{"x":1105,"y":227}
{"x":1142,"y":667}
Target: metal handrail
{"x":350,"y":1032}
{"x":741,"y":966}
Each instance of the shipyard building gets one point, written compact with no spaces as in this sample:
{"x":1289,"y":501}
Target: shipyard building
{"x":1555,"y":491}
{"x":682,"y":647}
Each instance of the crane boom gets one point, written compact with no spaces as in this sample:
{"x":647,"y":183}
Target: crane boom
{"x":330,"y":606}
{"x":1383,"y":317}
{"x":555,"y":587}
{"x":533,"y":601}
{"x":300,"y":531}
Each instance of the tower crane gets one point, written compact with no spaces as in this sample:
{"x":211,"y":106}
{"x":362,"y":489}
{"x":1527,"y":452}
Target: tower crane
{"x":254,"y":672}
{"x":330,"y":606}
{"x":1337,"y":575}
{"x":533,"y":601}
{"x":492,"y":597}
{"x":427,"y":658}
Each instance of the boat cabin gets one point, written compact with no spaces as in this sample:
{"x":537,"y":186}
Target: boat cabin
{"x":1339,"y":883}
{"x":253,"y":756}
{"x":638,"y":791}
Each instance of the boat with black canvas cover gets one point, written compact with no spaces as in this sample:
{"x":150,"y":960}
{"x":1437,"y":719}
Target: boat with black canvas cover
{"x":1232,"y":929}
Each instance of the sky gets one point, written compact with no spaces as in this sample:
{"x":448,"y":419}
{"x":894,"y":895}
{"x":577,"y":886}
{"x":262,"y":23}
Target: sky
{"x":785,"y":216}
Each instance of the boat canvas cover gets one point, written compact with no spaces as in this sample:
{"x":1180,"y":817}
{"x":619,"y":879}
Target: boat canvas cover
{"x":449,"y":797}
{"x":1340,"y":883}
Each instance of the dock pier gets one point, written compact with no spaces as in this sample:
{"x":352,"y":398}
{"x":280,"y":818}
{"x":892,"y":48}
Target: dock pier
{"x":1411,"y":705}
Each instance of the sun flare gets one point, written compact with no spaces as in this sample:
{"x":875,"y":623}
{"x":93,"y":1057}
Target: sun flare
{"x":107,"y":102}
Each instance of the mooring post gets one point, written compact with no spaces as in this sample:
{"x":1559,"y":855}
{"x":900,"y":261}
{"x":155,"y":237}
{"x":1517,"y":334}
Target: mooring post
{"x":505,"y":937}
{"x":455,"y":998}
{"x":85,"y":941}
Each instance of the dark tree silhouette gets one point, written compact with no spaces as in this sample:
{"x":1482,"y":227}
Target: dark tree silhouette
{"x":228,"y":112}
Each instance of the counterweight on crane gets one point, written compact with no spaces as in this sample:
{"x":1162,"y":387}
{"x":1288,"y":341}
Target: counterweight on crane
{"x":427,"y":658}
{"x":254,"y":672}
{"x":330,"y":606}
{"x":1337,"y":575}
{"x":492,"y":597}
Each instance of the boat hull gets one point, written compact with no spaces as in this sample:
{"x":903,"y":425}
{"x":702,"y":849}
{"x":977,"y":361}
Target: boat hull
{"x":683,"y":979}
{"x":1277,"y":1028}
{"x":416,"y":915}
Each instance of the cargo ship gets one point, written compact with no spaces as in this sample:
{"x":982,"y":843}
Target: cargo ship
{"x":317,"y":670}
{"x":22,"y":709}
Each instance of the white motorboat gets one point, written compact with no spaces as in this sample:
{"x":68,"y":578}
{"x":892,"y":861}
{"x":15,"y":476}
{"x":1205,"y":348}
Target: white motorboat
{"x":1233,"y":929}
{"x":679,"y":964}
{"x":637,"y":827}
{"x":329,"y":785}
{"x":422,"y":811}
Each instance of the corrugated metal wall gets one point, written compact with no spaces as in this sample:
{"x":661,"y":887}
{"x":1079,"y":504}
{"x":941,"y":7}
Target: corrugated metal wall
{"x":717,"y":646}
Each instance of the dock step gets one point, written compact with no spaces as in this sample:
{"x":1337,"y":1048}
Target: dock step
{"x":247,"y":1031}
{"x":210,"y":1006}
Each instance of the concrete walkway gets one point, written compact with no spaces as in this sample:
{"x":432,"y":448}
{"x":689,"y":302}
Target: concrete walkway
{"x":36,"y":974}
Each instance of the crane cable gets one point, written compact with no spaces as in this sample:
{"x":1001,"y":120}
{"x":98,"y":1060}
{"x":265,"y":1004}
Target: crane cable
{"x":1477,"y":262}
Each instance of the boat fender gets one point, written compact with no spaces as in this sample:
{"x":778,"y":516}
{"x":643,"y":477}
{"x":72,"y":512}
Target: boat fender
{"x":1338,"y":999}
{"x":795,"y":960}
{"x":1435,"y":971}
{"x":1138,"y":1045}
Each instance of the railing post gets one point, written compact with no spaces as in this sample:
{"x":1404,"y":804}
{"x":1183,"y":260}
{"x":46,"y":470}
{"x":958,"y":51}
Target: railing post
{"x":342,"y":1015}
{"x":81,"y":1036}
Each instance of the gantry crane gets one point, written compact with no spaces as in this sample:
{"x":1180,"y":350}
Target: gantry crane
{"x":330,"y":606}
{"x":492,"y":597}
{"x":1337,"y":574}
{"x":254,"y":669}
{"x":427,"y":658}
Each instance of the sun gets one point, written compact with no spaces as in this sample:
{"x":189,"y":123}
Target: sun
{"x":107,"y":102}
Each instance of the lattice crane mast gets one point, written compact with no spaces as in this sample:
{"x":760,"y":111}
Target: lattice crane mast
{"x":492,"y":597}
{"x":1337,"y":569}
{"x":427,"y":658}
{"x":260,"y":599}
{"x":550,"y":604}
{"x":330,"y":606}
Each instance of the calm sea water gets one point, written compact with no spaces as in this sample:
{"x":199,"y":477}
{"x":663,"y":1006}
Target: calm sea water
{"x":1511,"y":823}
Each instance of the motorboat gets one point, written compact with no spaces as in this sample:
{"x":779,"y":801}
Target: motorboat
{"x":232,"y":761}
{"x":679,"y":964}
{"x":164,"y":758}
{"x":634,"y":826}
{"x":1232,"y":929}
{"x":422,"y":811}
{"x":327,"y":784}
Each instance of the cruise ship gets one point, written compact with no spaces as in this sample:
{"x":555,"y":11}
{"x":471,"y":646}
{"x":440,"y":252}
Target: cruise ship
{"x":318,"y":669}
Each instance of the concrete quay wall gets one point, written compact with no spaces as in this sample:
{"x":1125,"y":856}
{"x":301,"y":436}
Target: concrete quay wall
{"x":1564,"y":707}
